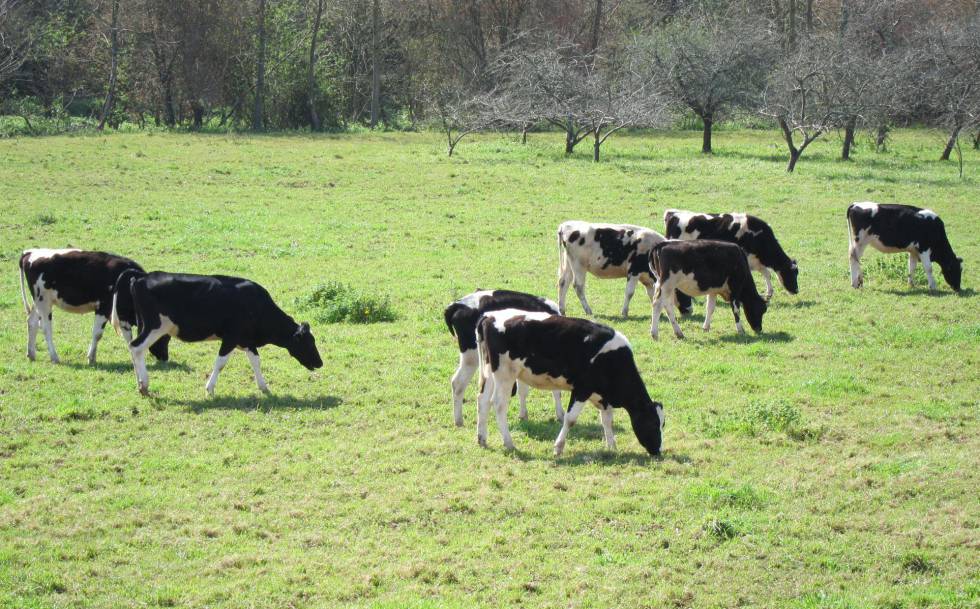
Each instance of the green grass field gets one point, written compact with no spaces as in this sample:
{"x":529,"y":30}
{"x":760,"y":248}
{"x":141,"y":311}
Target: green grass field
{"x":831,"y":462}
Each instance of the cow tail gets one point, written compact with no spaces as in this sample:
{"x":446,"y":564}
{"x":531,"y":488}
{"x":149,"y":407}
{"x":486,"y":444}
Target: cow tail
{"x":484,"y":352}
{"x":562,"y":256}
{"x":23,"y":284}
{"x":448,"y":315}
{"x":850,"y":227}
{"x":122,"y":295}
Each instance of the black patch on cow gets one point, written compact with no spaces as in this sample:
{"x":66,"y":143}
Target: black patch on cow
{"x":573,"y":235}
{"x":614,"y":250}
{"x":461,"y":319}
{"x":899,"y":226}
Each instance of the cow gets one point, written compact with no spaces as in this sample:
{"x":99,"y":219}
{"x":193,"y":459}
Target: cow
{"x":751,"y":233}
{"x":76,"y":281}
{"x":901,"y":228}
{"x":593,"y":362}
{"x":461,"y":317}
{"x":704,"y":267}
{"x":608,"y":251}
{"x":238,"y":312}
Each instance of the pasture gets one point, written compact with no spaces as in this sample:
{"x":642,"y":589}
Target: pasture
{"x":831,"y":462}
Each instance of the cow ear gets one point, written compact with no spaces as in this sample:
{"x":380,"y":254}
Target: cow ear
{"x":960,"y":260}
{"x":304,"y":328}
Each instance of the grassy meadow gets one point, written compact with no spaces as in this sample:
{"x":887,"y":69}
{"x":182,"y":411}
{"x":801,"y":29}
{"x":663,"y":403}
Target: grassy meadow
{"x":831,"y":462}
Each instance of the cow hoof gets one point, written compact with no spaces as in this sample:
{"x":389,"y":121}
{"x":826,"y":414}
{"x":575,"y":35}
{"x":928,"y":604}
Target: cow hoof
{"x":459,"y":422}
{"x":31,"y":356}
{"x":265,"y":390}
{"x":144,"y":390}
{"x":509,"y":447}
{"x":558,"y":450}
{"x":482,"y":441}
{"x":55,"y":360}
{"x":91,"y":361}
{"x":705,"y":328}
{"x":679,"y":335}
{"x":522,"y":416}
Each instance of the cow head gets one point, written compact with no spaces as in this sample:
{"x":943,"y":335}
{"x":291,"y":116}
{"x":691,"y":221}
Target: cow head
{"x":755,"y":307}
{"x":648,"y":425}
{"x":788,"y":276}
{"x":953,"y":273}
{"x":302,"y":346}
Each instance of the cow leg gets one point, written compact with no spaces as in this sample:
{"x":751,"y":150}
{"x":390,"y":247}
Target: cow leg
{"x":483,"y":409}
{"x":253,"y":358}
{"x":224,"y":352}
{"x":855,"y":251}
{"x":630,"y":288}
{"x":927,"y":267}
{"x":47,"y":326}
{"x":578,"y":282}
{"x":574,"y":409}
{"x":97,"y":329}
{"x":468,"y":362}
{"x":738,"y":318}
{"x":501,"y":400}
{"x":658,"y":305}
{"x":913,"y":259}
{"x":559,"y":411}
{"x":564,"y":279}
{"x":709,"y":310}
{"x":137,"y":349}
{"x":33,"y":323}
{"x":669,"y":305}
{"x":522,"y":390}
{"x":766,"y":275}
{"x":606,"y":414}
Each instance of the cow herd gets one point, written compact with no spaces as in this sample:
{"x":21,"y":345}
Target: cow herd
{"x":515,"y":341}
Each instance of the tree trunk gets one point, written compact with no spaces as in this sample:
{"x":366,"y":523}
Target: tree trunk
{"x":792,"y":26}
{"x":569,"y":137}
{"x":794,"y":153}
{"x":311,"y":71}
{"x":950,"y":143}
{"x":845,"y":153}
{"x":257,"y":112}
{"x":976,"y":141}
{"x":375,"y":65}
{"x":169,"y":116}
{"x":881,"y":138}
{"x":596,"y":22}
{"x":198,"y":110}
{"x":706,"y":134}
{"x":524,"y":129}
{"x":809,"y":17}
{"x":110,"y":97}
{"x":595,"y":146}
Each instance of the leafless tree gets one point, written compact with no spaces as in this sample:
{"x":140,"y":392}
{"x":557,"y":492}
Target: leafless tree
{"x":15,"y":39}
{"x":257,"y":113}
{"x":311,"y":87}
{"x":110,"y":96}
{"x":950,"y":81}
{"x":802,"y":96}
{"x":710,"y":65}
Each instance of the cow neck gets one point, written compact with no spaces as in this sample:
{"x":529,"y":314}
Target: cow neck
{"x":279,"y":328}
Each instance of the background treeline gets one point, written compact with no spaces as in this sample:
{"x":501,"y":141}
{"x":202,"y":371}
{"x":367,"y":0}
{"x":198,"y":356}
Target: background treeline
{"x":586,"y":67}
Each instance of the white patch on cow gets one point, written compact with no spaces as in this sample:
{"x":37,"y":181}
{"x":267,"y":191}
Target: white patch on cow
{"x":504,"y":315}
{"x":683,"y":219}
{"x":618,"y":341}
{"x":551,"y":304}
{"x":469,"y":361}
{"x":473,"y":300}
{"x":927,"y":213}
{"x":867,"y":206}
{"x":660,"y":415}
{"x":219,"y":363}
{"x":43,"y":253}
{"x":742,"y":221}
{"x":253,"y":359}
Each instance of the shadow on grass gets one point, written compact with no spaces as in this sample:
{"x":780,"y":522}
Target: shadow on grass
{"x":765,"y":337}
{"x":940,"y":293}
{"x":264,"y":403}
{"x":798,"y":304}
{"x":151,"y":364}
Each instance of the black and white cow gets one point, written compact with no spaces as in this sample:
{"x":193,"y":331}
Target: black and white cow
{"x":751,"y":233}
{"x":76,"y":281}
{"x":901,"y":228}
{"x":591,"y":361}
{"x":461,"y":319}
{"x":608,"y":251}
{"x":238,"y":312}
{"x":704,"y":267}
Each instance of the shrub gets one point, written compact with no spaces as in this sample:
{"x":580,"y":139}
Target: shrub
{"x":335,"y":302}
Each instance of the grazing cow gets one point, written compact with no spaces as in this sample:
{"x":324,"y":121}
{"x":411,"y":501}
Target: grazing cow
{"x":704,"y":267}
{"x":752,"y":234}
{"x":591,"y":361}
{"x":608,"y":251}
{"x":75,"y":281}
{"x":238,"y":312}
{"x":902,"y":228}
{"x":461,"y":318}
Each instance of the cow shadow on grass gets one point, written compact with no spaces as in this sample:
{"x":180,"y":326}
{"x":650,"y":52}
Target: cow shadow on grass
{"x":795,"y":304}
{"x":941,"y":293}
{"x":749,"y":338}
{"x":590,"y":443}
{"x":128,"y":366}
{"x":264,"y":403}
